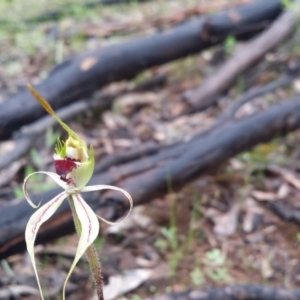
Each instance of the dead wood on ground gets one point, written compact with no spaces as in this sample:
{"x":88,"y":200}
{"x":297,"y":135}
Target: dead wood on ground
{"x":288,"y":79}
{"x":151,"y":176}
{"x":24,"y":139}
{"x":244,"y":57}
{"x":80,"y":76}
{"x":235,"y":292}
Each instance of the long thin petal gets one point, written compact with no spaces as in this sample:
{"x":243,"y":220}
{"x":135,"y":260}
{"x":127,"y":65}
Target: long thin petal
{"x":89,"y":231}
{"x":93,"y":188}
{"x":54,"y":176}
{"x":35,"y":222}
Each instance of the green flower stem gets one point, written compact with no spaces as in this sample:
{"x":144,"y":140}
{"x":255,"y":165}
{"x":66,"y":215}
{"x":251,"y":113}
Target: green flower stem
{"x":91,"y":254}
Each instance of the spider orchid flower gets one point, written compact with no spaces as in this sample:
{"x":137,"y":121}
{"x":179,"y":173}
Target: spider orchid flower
{"x":74,"y":164}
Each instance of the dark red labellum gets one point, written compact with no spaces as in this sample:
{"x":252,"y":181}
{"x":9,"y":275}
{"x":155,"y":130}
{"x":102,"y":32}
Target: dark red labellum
{"x":64,"y":166}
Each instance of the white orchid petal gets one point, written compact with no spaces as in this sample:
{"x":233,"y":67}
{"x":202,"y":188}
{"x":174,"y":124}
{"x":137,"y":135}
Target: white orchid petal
{"x":35,"y":222}
{"x":93,"y":188}
{"x":89,"y":230}
{"x":54,"y":176}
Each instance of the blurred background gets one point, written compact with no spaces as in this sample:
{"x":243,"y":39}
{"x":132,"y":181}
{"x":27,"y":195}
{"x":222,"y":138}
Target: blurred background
{"x":193,"y":108}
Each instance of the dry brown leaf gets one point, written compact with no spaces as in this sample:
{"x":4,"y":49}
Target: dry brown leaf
{"x":130,"y":102}
{"x":252,"y":212}
{"x":125,"y":282}
{"x":264,"y":196}
{"x":226,"y":224}
{"x":287,"y":175}
{"x":283,"y":191}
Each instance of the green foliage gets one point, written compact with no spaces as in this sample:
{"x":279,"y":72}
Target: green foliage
{"x":262,"y":155}
{"x":197,"y":276}
{"x":99,"y":243}
{"x":171,"y":235}
{"x":175,"y":260}
{"x":240,"y":84}
{"x":136,"y":297}
{"x":18,"y":193}
{"x":286,"y":3}
{"x":298,"y":238}
{"x":196,"y":216}
{"x":292,"y":5}
{"x":217,"y":270}
{"x":161,"y":244}
{"x":36,"y":159}
{"x":51,"y":137}
{"x":230,"y":44}
{"x":37,"y":186}
{"x":170,"y":239}
{"x":215,"y":257}
{"x":219,"y":274}
{"x":28,"y":171}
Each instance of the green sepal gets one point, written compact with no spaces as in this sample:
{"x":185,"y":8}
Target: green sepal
{"x":61,"y":148}
{"x":82,"y":174}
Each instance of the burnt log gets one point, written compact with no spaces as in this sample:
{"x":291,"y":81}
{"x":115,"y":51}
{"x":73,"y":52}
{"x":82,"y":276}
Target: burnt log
{"x":235,"y":292}
{"x":25,"y":137}
{"x":80,"y":76}
{"x":151,"y":175}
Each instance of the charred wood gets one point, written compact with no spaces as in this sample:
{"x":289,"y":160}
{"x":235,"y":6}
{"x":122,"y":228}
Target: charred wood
{"x":149,"y":177}
{"x":235,"y":292}
{"x":82,"y":75}
{"x":24,"y":138}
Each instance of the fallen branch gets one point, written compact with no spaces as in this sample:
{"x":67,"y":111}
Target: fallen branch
{"x":151,"y":176}
{"x":229,"y":114}
{"x":25,"y":137}
{"x":285,"y":81}
{"x":235,"y":292}
{"x":243,"y":58}
{"x":79,"y":77}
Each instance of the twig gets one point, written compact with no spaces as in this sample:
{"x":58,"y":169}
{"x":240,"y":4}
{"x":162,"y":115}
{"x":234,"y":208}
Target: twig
{"x":228,"y":115}
{"x":258,"y":91}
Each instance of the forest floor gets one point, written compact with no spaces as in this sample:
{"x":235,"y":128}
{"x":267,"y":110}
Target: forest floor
{"x":218,"y":230}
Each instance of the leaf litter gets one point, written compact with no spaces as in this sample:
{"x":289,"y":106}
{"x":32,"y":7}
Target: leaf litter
{"x":218,"y":230}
